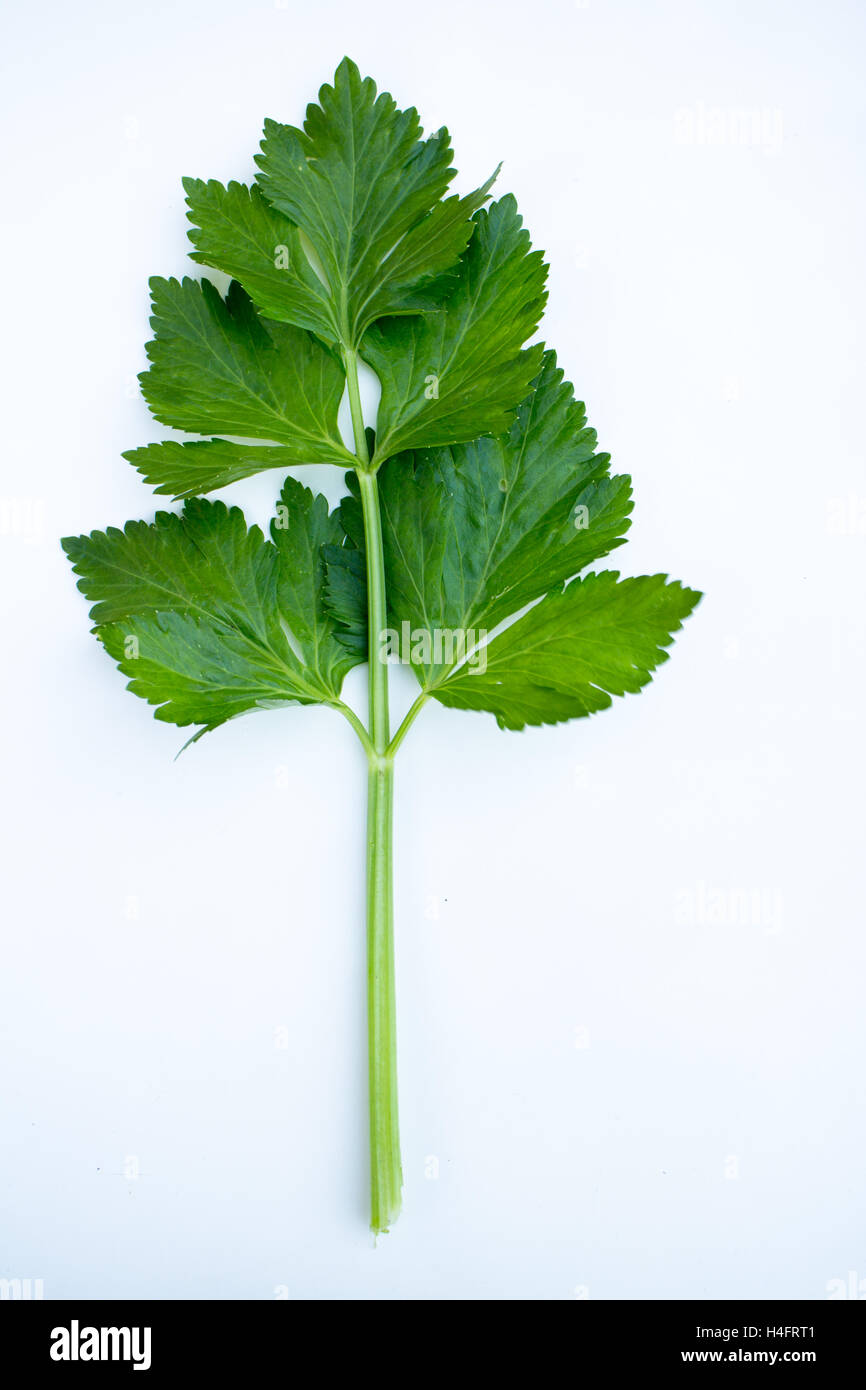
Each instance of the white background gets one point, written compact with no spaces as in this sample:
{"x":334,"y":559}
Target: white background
{"x":631,"y":953}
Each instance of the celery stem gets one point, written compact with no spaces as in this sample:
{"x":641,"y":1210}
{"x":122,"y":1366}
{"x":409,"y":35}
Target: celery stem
{"x":386,"y":1177}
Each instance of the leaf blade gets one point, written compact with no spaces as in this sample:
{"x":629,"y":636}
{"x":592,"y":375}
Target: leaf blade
{"x":192,"y":582}
{"x":234,"y":229}
{"x":190,"y":468}
{"x":302,"y":545}
{"x":365,"y":190}
{"x":458,"y":373}
{"x":195,"y":671}
{"x":475,"y":532}
{"x":215,"y":367}
{"x":570,"y":654}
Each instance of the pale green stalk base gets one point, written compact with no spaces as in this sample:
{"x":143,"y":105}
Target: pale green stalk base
{"x":386,"y":1175}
